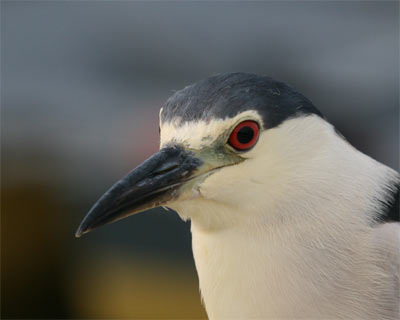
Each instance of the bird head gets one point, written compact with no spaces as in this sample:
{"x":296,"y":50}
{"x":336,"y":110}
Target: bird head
{"x":228,"y":144}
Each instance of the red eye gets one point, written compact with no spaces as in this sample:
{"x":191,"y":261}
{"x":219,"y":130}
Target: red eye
{"x":245,"y":135}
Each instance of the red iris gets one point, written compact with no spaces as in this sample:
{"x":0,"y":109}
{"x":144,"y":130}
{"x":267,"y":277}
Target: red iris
{"x":245,"y":135}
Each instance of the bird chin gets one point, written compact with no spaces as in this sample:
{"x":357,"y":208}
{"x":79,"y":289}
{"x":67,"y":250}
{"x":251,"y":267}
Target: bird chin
{"x":190,"y":190}
{"x":187,"y":204}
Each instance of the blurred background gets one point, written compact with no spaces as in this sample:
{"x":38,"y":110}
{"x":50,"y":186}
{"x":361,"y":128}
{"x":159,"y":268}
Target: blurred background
{"x":81,"y":86}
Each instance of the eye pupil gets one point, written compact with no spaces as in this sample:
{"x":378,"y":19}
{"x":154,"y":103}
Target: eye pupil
{"x":245,"y":135}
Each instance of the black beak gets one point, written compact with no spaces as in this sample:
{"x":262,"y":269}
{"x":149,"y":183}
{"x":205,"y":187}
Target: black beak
{"x":153,"y":183}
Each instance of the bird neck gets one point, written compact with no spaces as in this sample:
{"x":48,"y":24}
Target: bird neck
{"x":283,"y":249}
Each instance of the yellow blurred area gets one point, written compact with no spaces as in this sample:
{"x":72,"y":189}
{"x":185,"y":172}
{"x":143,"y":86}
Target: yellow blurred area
{"x":47,"y":273}
{"x":135,"y":287}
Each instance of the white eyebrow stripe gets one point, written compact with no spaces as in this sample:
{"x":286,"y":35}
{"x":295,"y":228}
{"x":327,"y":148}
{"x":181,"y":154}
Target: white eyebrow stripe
{"x":198,"y":134}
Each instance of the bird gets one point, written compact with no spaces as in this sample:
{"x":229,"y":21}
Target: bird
{"x":288,"y":219}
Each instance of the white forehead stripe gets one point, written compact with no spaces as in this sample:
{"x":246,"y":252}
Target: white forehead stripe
{"x":198,"y":134}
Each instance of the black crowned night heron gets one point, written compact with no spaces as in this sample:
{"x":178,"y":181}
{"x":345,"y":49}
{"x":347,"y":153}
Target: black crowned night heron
{"x":288,"y":220}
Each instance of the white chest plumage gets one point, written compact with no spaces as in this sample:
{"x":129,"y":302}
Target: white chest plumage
{"x":268,"y":278}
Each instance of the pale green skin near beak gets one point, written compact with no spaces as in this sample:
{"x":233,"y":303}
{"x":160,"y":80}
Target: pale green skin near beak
{"x":173,"y":171}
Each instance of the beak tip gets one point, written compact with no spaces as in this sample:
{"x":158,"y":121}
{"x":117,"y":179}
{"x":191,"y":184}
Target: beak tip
{"x":82,"y":229}
{"x":78,"y":234}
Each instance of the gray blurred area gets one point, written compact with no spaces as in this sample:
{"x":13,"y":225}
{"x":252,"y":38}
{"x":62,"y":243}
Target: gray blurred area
{"x":81,"y":86}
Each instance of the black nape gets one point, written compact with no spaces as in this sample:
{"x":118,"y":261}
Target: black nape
{"x":226,"y":95}
{"x":391,"y":212}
